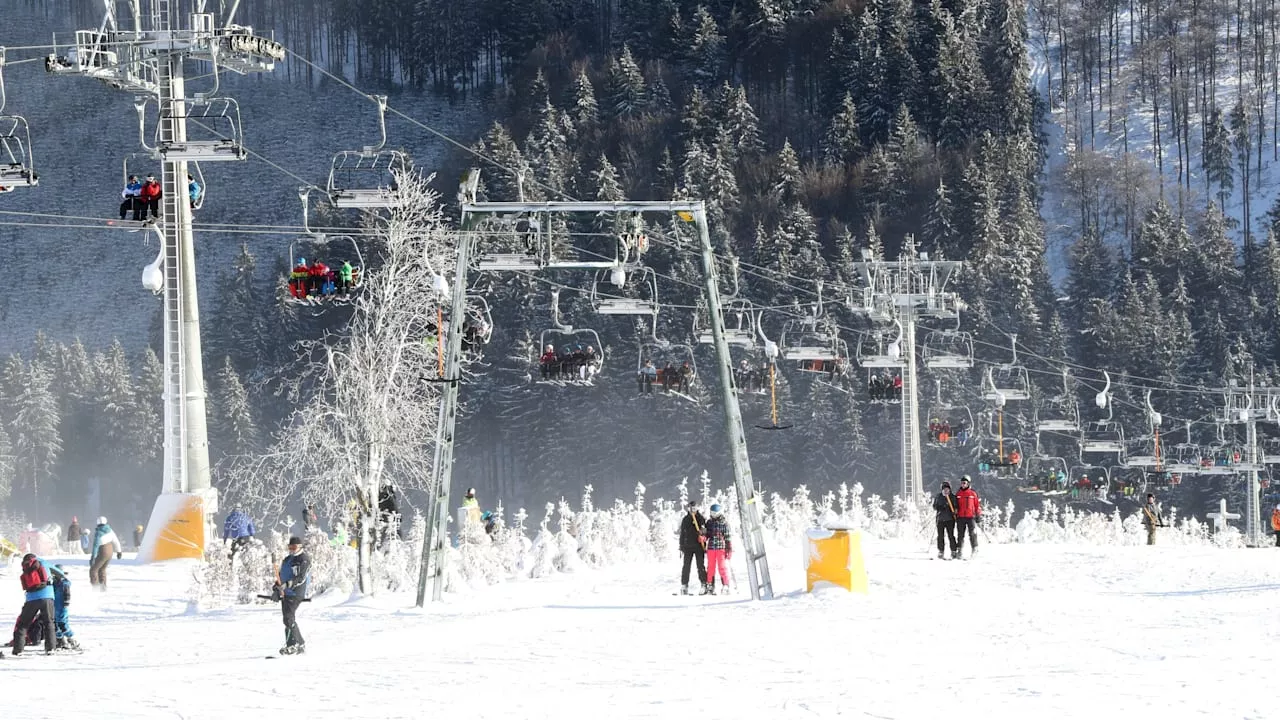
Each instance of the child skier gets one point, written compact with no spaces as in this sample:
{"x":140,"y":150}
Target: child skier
{"x":61,"y":617}
{"x":39,"y":604}
{"x":719,"y":549}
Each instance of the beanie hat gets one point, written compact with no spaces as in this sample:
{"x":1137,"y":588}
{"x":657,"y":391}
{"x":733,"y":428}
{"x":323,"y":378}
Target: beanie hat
{"x":946,"y":484}
{"x":295,"y":540}
{"x":102,"y":519}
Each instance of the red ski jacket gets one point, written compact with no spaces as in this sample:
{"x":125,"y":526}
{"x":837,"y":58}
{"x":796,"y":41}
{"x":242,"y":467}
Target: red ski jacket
{"x":967,"y":504}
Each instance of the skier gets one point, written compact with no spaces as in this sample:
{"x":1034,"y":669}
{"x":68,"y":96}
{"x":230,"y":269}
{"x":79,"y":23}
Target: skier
{"x":944,"y":509}
{"x":719,"y":549}
{"x":73,"y":534}
{"x":309,"y":518}
{"x":61,"y":617}
{"x":469,"y":500}
{"x":693,"y":547}
{"x":193,"y":191}
{"x":105,"y":544}
{"x":149,"y":195}
{"x":346,"y":277}
{"x":137,"y":537}
{"x":1275,"y":523}
{"x":291,"y":588}
{"x":1151,"y":518}
{"x":39,"y":604}
{"x":237,"y":528}
{"x":968,"y":513}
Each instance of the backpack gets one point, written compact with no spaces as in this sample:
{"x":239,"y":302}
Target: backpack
{"x":34,"y":575}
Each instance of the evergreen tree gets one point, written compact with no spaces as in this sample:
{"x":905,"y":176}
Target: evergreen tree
{"x":868,"y":77}
{"x":901,"y":74}
{"x":149,"y":397}
{"x":7,"y":468}
{"x":1161,"y":247}
{"x":583,"y":110}
{"x":941,"y":240}
{"x":739,"y":120}
{"x":119,"y":427}
{"x":704,"y":49}
{"x":236,"y":328}
{"x":1007,"y":68}
{"x":503,"y":184}
{"x":695,"y":119}
{"x":1090,"y":277}
{"x":843,"y":142}
{"x":1216,"y":156}
{"x":787,"y":185}
{"x":36,"y":440}
{"x":626,"y":86}
{"x":233,"y":421}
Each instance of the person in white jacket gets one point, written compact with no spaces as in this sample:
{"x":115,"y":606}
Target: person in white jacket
{"x":105,"y":544}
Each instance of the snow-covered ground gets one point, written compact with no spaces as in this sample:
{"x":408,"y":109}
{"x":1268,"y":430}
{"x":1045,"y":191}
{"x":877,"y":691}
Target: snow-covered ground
{"x":1023,"y":631}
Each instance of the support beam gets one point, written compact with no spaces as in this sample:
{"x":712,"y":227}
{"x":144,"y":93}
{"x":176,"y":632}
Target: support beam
{"x":748,"y":496}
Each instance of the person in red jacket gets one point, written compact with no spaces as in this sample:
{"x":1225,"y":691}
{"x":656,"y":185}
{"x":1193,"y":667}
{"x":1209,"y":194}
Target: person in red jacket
{"x":968,"y":512}
{"x":149,"y":195}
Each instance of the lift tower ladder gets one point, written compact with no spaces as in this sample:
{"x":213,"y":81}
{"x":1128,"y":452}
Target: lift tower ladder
{"x":903,"y":291}
{"x":146,"y":60}
{"x":475,"y":212}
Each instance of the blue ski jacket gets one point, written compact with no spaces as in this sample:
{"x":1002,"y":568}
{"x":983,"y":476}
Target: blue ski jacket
{"x":295,"y":575}
{"x":237,"y":525}
{"x":102,"y":535}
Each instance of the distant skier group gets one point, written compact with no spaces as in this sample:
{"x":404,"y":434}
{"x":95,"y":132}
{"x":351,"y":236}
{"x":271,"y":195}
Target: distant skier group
{"x":705,"y":540}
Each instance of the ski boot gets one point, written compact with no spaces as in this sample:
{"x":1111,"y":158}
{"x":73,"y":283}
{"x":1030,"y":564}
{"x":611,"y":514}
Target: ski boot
{"x":955,"y":554}
{"x":940,"y":555}
{"x":293,"y":649}
{"x":707,"y":589}
{"x":684,"y":589}
{"x":711,"y":588}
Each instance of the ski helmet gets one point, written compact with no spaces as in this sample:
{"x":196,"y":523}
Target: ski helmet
{"x":715,"y":509}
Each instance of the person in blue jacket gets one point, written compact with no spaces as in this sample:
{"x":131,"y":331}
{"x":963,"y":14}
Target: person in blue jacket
{"x":193,"y":190}
{"x":39,"y":603}
{"x":105,"y":544}
{"x":291,"y":588}
{"x":61,"y":616}
{"x":237,"y":528}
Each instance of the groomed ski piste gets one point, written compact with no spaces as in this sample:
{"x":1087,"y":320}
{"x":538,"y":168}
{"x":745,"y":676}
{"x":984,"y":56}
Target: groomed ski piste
{"x":1044,"y":621}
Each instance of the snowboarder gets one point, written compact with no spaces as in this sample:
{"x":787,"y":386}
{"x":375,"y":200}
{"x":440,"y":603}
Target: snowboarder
{"x":1151,"y":518}
{"x":61,"y":616}
{"x":1275,"y":523}
{"x":38,"y":605}
{"x":105,"y":544}
{"x":291,"y":588}
{"x":968,"y":513}
{"x":719,"y":549}
{"x":693,"y":547}
{"x":73,"y":534}
{"x":944,"y":509}
{"x":237,"y":528}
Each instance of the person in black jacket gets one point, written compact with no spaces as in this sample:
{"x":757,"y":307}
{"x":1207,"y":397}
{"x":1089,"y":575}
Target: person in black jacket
{"x":944,"y":508}
{"x":692,"y":546}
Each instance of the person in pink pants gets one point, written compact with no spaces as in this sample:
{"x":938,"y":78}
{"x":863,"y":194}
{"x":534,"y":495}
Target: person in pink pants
{"x":719,"y":549}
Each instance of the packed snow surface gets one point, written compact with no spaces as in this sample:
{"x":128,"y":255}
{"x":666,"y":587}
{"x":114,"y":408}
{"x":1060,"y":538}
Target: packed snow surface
{"x":1021,"y":631}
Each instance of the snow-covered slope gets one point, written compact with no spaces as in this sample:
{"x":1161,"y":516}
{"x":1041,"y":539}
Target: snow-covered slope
{"x":1022,"y":631}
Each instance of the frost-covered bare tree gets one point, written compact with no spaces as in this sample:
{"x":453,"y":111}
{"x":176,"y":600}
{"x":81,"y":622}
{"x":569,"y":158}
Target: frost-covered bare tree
{"x":371,"y":417}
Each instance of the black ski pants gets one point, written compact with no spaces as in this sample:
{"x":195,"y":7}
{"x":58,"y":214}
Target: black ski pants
{"x":1278,"y":538}
{"x":689,"y":557}
{"x":289,"y":611}
{"x":961,"y":524}
{"x":31,"y":611}
{"x":132,"y":204}
{"x":947,"y":531}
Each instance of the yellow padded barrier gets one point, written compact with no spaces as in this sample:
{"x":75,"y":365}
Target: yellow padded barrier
{"x":834,"y":557}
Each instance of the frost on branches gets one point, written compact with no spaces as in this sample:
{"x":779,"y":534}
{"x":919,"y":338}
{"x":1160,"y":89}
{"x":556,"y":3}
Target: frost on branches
{"x":370,"y":416}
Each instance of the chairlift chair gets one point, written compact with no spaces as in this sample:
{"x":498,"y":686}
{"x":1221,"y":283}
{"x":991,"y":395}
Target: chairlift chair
{"x":333,"y":260}
{"x":1271,"y":451}
{"x":1063,"y":412}
{"x":523,"y":230}
{"x":216,"y":124}
{"x":948,"y":349}
{"x":1099,"y":478}
{"x":609,"y":281}
{"x":560,"y":338}
{"x":17,"y":164}
{"x":366,"y":179}
{"x":875,"y":350}
{"x":1046,"y":475}
{"x":479,"y":316}
{"x":992,"y":463}
{"x":741,"y":332}
{"x":1009,"y":381}
{"x":663,"y":353}
{"x":958,"y":419}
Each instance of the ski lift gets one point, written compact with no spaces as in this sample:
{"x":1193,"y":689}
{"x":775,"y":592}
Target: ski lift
{"x":569,"y":355}
{"x":17,"y":164}
{"x":1103,"y":436}
{"x":367,"y":178}
{"x":478,"y":325}
{"x":741,"y":332}
{"x":523,"y":230}
{"x":616,"y":277}
{"x":215,"y":121}
{"x":1046,"y":475}
{"x":1063,"y":411}
{"x":1084,"y":480}
{"x":954,"y":423}
{"x":809,"y":338}
{"x":1011,"y":379}
{"x":673,"y":362}
{"x":875,"y":350}
{"x":1007,"y":458}
{"x":948,"y":349}
{"x":323,"y":283}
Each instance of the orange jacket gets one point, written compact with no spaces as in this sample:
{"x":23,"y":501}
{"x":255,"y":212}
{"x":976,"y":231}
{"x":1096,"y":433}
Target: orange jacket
{"x":1275,"y":520}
